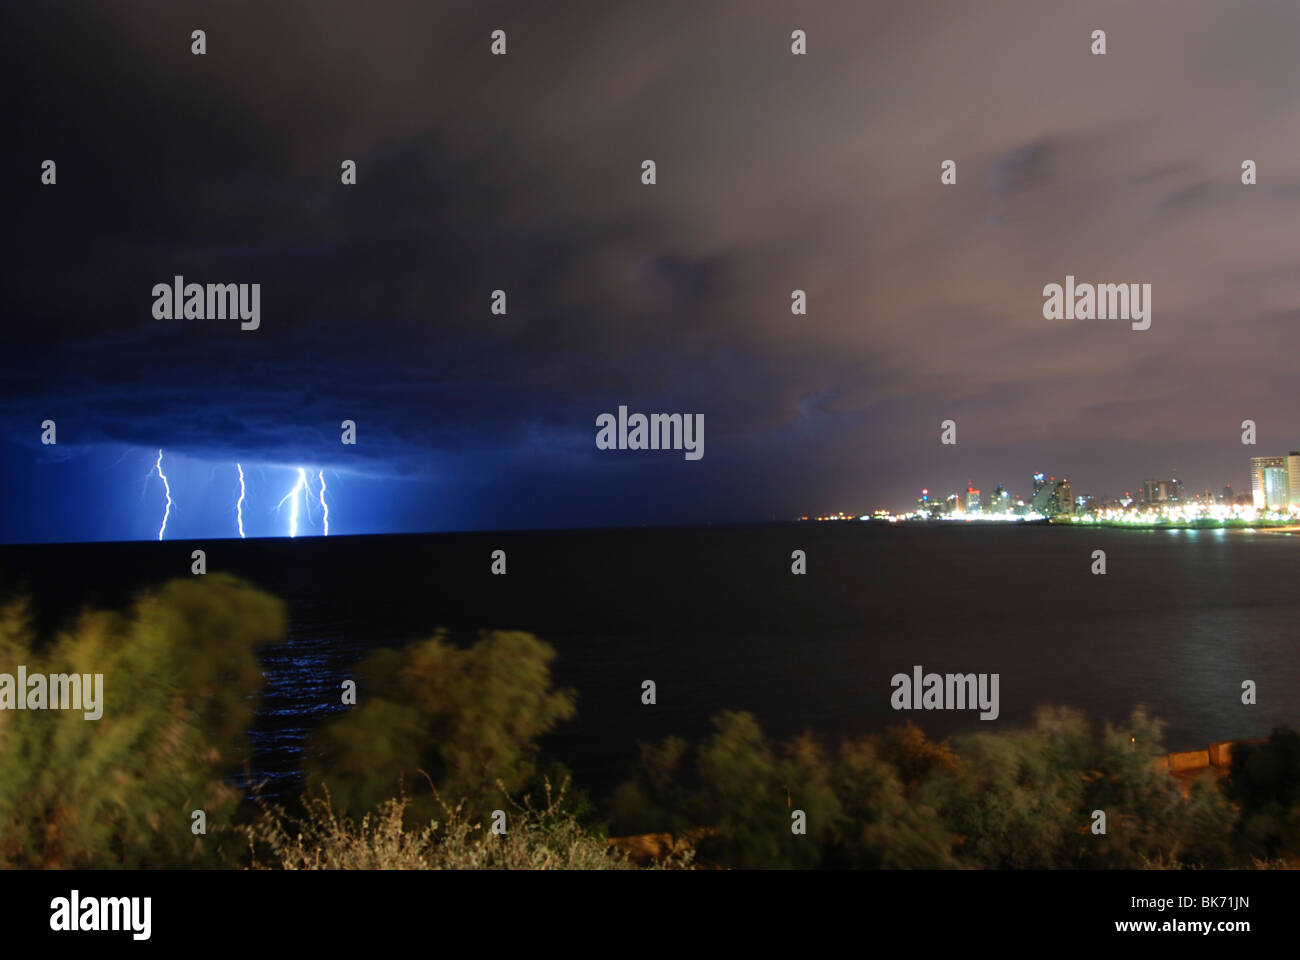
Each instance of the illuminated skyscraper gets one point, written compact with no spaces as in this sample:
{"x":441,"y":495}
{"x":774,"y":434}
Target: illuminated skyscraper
{"x":1269,"y":484}
{"x":1044,"y":490}
{"x":1064,"y":497}
{"x":1052,"y":496}
{"x":1001,"y":500}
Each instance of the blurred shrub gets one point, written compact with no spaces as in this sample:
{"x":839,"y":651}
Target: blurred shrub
{"x":467,"y":719}
{"x":180,"y":683}
{"x":1019,"y":799}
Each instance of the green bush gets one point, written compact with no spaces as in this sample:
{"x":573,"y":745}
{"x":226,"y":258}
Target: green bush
{"x":180,"y":682}
{"x":744,"y":789}
{"x":1020,"y":799}
{"x":467,"y":719}
{"x":879,"y":826}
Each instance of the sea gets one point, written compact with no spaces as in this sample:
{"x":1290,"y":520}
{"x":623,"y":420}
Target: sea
{"x":716,"y":618}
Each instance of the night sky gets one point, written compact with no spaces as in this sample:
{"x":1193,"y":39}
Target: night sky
{"x":523,"y":172}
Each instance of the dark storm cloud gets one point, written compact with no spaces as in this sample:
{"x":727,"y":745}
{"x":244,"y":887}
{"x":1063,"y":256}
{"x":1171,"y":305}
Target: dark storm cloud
{"x":775,"y":173}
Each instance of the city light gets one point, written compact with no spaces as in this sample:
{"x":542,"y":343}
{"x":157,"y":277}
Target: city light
{"x":1274,"y":501}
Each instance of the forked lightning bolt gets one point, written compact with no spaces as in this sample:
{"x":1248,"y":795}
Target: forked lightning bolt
{"x":167,"y":490}
{"x":302,"y":486}
{"x":323,"y":505}
{"x":239,"y":507}
{"x":292,"y":497}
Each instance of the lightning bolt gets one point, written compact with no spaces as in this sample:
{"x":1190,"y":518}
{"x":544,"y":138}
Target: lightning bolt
{"x":167,"y":490}
{"x":292,"y":497}
{"x":239,"y":507}
{"x":323,"y":505}
{"x":303,"y":486}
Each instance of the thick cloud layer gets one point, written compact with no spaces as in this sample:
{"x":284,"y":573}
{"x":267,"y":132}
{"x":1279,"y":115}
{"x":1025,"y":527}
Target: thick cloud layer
{"x":775,"y":172}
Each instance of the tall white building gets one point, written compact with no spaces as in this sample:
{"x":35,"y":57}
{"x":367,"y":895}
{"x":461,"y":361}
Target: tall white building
{"x":1270,"y":486}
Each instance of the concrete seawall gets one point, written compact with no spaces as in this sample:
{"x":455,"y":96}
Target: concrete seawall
{"x":1187,"y":765}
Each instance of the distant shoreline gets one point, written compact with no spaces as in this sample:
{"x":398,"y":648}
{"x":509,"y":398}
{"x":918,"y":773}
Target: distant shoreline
{"x":1263,"y":526}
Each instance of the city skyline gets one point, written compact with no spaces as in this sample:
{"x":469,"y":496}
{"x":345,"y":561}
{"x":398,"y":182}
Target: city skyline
{"x":1273,"y":483}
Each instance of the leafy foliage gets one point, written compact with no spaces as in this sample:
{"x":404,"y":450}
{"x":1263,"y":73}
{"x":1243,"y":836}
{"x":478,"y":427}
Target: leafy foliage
{"x":1021,"y":799}
{"x":180,"y":678}
{"x":467,"y":719}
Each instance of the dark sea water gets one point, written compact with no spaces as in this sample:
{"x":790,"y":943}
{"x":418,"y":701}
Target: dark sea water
{"x":714,"y":616}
